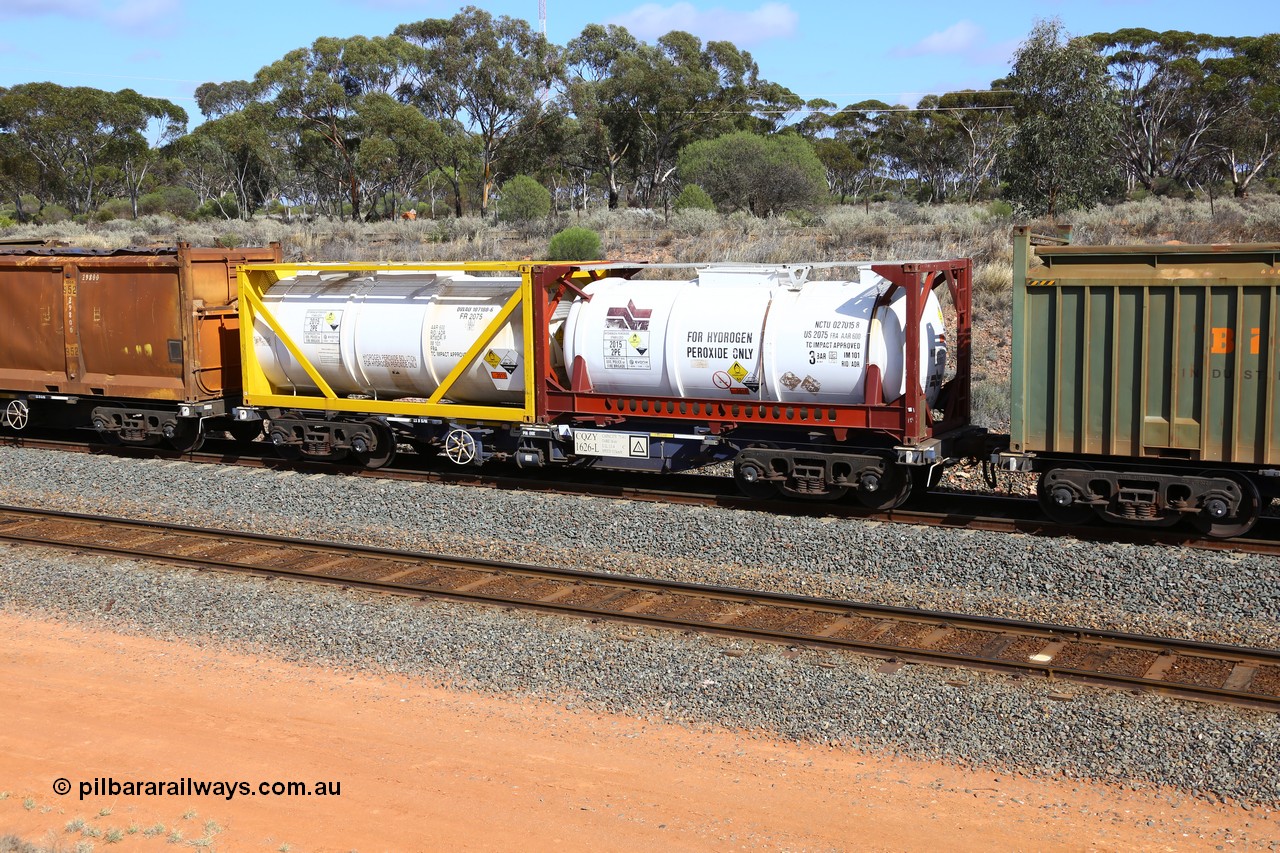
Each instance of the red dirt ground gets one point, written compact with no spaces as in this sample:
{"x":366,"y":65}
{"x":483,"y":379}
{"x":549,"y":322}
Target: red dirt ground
{"x":423,"y":768}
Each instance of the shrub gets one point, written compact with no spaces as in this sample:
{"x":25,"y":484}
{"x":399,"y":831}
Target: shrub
{"x":219,"y":208}
{"x":54,"y":214}
{"x":695,"y":221}
{"x":761,"y":174}
{"x":523,"y":200}
{"x":575,"y":244}
{"x":999,"y":209}
{"x":693,"y":197}
{"x":116,"y":208}
{"x":179,"y":201}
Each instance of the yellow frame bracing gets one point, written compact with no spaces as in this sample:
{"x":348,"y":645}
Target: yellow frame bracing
{"x":255,"y":279}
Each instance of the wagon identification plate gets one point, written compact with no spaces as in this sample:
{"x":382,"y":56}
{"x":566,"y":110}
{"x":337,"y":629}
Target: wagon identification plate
{"x":627,"y":445}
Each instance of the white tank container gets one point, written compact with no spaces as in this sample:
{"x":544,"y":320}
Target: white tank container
{"x":392,"y":335}
{"x":746,"y":333}
{"x":743,"y":333}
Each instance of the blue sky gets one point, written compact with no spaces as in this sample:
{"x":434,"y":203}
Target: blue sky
{"x":842,"y":51}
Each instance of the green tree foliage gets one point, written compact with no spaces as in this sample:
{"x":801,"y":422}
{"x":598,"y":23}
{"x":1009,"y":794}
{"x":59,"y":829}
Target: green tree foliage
{"x":607,"y":124}
{"x":693,"y":197}
{"x":77,"y":145}
{"x":760,"y":174}
{"x":238,"y":154}
{"x":1245,"y":91}
{"x":178,"y":201}
{"x":575,"y":244}
{"x":1160,"y":80}
{"x":479,"y":75}
{"x":320,"y":95}
{"x":523,"y":200}
{"x":1066,"y":114}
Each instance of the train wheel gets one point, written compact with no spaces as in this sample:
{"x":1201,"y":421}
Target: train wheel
{"x":105,"y":435}
{"x":184,"y":436}
{"x":286,"y":451}
{"x":892,"y":489}
{"x":383,"y":450}
{"x":748,"y":476}
{"x":460,"y":447}
{"x":16,"y":415}
{"x":1058,"y":501}
{"x":1212,"y":521}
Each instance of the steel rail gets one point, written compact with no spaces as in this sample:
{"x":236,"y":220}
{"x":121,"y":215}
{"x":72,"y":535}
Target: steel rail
{"x":1210,"y":671}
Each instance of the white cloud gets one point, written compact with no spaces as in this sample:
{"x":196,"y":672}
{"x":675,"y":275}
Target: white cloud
{"x":769,"y":21}
{"x":960,"y":37}
{"x":36,"y":8}
{"x":963,"y":40}
{"x":150,"y":16}
{"x":142,"y":14}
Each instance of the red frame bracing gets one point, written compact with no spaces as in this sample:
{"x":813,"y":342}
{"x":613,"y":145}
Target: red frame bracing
{"x":907,"y":420}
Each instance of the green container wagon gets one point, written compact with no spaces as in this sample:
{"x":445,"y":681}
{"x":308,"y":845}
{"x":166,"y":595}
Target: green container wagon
{"x":1145,"y":380}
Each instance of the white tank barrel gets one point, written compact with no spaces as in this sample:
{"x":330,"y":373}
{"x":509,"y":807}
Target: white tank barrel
{"x":393,"y":335}
{"x":748,"y":333}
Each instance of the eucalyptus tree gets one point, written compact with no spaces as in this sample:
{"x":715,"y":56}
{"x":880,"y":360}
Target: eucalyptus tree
{"x":759,"y":174}
{"x":237,"y":154}
{"x":861,"y":129}
{"x":1244,"y":90}
{"x":79,"y":143}
{"x":982,"y":123}
{"x":319,"y":93}
{"x":478,"y":75}
{"x":1066,"y":114}
{"x":679,"y":91}
{"x":395,"y":152}
{"x":607,"y":125}
{"x":1165,"y":110}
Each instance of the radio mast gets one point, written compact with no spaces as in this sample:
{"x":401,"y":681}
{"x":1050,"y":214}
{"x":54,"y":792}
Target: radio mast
{"x":542,"y":16}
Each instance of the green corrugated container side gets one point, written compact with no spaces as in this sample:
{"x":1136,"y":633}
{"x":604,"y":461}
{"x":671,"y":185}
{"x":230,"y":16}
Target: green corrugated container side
{"x":1147,"y":351}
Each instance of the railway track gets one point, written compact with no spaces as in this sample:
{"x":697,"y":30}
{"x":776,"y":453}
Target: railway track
{"x":1206,"y":671}
{"x":999,"y":513}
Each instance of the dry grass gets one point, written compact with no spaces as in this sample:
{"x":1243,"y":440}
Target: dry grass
{"x":886,"y":231}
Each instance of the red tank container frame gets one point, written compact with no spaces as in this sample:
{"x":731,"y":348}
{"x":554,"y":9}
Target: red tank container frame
{"x":907,"y":420}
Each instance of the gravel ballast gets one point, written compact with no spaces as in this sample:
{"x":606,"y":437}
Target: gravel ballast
{"x":1023,"y":725}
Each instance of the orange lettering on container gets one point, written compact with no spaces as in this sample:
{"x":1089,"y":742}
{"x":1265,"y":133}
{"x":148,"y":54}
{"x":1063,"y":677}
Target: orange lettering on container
{"x":1255,"y":339}
{"x":1224,"y":340}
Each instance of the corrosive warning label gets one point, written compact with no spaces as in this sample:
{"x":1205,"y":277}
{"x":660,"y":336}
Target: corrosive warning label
{"x":321,"y":327}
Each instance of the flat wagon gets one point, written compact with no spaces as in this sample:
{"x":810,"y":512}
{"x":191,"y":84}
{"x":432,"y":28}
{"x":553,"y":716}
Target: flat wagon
{"x":814,"y":388}
{"x":142,"y":344}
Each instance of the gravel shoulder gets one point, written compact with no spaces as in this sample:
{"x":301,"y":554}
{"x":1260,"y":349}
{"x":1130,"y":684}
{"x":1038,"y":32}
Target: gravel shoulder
{"x":1135,"y":742}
